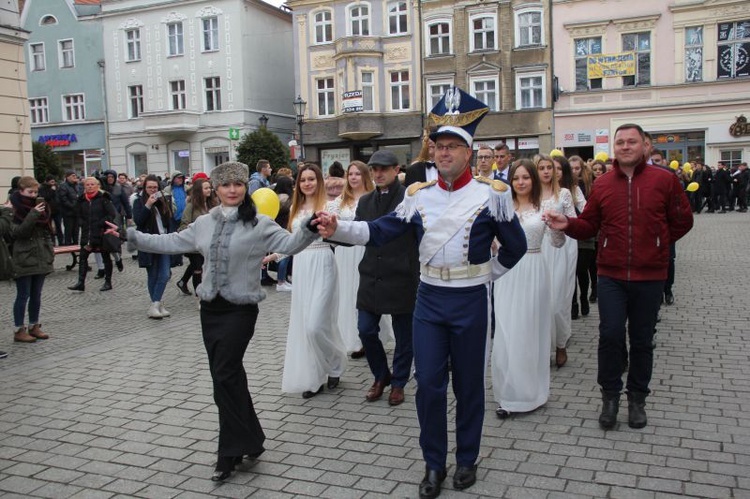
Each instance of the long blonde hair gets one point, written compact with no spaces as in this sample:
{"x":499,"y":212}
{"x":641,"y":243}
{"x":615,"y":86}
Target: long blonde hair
{"x":347,"y":196}
{"x":298,"y":199}
{"x":555,"y":184}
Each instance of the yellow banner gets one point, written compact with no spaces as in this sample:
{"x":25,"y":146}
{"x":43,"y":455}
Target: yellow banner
{"x":609,"y":65}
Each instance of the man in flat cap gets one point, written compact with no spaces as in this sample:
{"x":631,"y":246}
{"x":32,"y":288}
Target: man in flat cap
{"x":455,"y":219}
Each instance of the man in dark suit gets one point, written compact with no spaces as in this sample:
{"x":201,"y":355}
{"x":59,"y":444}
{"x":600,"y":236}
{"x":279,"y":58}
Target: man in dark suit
{"x":389,"y":276}
{"x":722,"y":184}
{"x":423,"y":171}
{"x":503,"y":157}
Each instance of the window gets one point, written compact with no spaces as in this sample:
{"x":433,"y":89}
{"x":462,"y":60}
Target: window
{"x":731,"y":158}
{"x":399,"y":90}
{"x":139,"y":163}
{"x":583,"y":48}
{"x":133,"y":45}
{"x":694,"y":53}
{"x":36,"y":56}
{"x":67,"y":56}
{"x":135,"y":94}
{"x":213,"y":93}
{"x":210,"y":34}
{"x":48,"y":20}
{"x":74,"y":107}
{"x":640,"y":43}
{"x":436,"y":90}
{"x":359,"y":20}
{"x":323,"y":27}
{"x":734,"y":50}
{"x":368,"y":91}
{"x":39,"y":109}
{"x":326,"y":98}
{"x":486,"y":90}
{"x":483,"y":33}
{"x":397,"y":18}
{"x":177,"y":89}
{"x":530,"y":91}
{"x":439,"y":38}
{"x":175,"y":40}
{"x":529,"y":28}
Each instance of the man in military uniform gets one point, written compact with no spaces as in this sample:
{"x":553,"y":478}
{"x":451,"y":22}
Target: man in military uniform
{"x":455,"y":219}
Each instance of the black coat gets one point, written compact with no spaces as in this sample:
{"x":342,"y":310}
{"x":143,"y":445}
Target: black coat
{"x":92,"y":216}
{"x":722,"y":181}
{"x":67,"y":197}
{"x":417,"y":172}
{"x":389,"y":274}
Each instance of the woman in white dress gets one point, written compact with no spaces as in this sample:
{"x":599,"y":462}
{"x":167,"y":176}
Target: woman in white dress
{"x":315,"y":352}
{"x":561,"y":263}
{"x":520,"y":351}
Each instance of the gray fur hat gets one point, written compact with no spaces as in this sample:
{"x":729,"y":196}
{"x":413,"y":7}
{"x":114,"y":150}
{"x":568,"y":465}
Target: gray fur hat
{"x":232,"y":171}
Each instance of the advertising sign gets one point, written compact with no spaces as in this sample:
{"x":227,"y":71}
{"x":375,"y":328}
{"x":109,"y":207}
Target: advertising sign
{"x":609,"y":65}
{"x":353,"y":102}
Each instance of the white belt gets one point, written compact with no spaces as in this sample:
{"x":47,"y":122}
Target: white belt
{"x":463,"y":272}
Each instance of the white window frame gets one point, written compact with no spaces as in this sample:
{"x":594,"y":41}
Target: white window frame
{"x":519,"y":89}
{"x":735,"y":44}
{"x":39,"y":110}
{"x":403,"y":87}
{"x":73,"y":107}
{"x":61,"y":52}
{"x":486,"y":78}
{"x":329,"y":97}
{"x":368,"y":90}
{"x":577,"y":57}
{"x":213,"y":91}
{"x":431,"y":97}
{"x":175,"y":40}
{"x":178,"y":95}
{"x":729,"y":157}
{"x":693,"y":45}
{"x":637,"y":52}
{"x":322,"y":24}
{"x":472,"y":32}
{"x":135,"y":43}
{"x":33,"y":57}
{"x":47,"y":16}
{"x":364,"y":21}
{"x":135,"y":101}
{"x":429,"y":36}
{"x":213,"y":31}
{"x":530,"y":28}
{"x":394,"y":10}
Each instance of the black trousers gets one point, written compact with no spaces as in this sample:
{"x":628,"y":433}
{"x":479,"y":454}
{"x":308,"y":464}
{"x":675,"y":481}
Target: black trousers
{"x":83,"y":264}
{"x":71,"y":229}
{"x":583,"y":267}
{"x":194,"y":270}
{"x":227,"y":330}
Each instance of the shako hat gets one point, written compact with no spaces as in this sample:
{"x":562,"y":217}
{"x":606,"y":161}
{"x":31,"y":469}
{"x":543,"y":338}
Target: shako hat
{"x":457,"y":113}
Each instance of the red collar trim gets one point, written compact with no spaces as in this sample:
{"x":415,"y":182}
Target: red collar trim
{"x":461,"y":181}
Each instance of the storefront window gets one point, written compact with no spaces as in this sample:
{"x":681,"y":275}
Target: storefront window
{"x":731,"y":158}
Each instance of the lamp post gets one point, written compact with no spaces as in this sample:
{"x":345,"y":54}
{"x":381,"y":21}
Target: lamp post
{"x":263,"y":121}
{"x":299,"y":110}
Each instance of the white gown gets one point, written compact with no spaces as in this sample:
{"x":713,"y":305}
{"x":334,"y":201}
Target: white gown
{"x":562,"y":263}
{"x":314,"y":348}
{"x":523,"y":323}
{"x":347,"y":264}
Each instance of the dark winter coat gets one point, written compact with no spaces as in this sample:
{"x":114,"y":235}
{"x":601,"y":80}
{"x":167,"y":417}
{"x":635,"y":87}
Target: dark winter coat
{"x":6,"y":261}
{"x":92,"y":217}
{"x":32,"y":247}
{"x":120,"y":197}
{"x":67,"y":197}
{"x":722,"y":181}
{"x":145,"y":221}
{"x":389,"y":274}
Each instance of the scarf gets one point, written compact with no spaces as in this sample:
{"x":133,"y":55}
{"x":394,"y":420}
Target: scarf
{"x":23,"y":205}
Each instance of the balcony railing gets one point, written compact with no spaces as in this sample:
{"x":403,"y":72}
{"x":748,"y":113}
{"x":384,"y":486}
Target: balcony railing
{"x":359,"y":45}
{"x":171,"y":121}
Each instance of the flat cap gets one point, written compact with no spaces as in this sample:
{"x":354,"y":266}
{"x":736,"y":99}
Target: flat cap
{"x":383,"y":157}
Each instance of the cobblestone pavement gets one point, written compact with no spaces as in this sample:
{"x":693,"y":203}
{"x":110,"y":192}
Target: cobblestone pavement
{"x":117,"y":405}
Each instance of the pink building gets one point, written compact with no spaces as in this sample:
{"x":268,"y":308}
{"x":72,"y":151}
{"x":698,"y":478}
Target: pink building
{"x":679,"y":68}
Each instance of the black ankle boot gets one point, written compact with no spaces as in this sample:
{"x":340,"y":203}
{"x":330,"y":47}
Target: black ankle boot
{"x":107,"y":285}
{"x":637,"y":409}
{"x":79,"y":286}
{"x":610,"y":407}
{"x":100,"y":274}
{"x":584,"y":307}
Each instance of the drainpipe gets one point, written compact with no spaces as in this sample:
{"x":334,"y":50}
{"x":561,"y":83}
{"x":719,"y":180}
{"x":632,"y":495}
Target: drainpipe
{"x":105,"y":114}
{"x":551,"y":82}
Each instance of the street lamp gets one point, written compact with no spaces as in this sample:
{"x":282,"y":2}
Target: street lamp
{"x":263,"y":121}
{"x":299,"y":110}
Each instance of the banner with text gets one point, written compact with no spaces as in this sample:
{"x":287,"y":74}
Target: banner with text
{"x":609,"y":65}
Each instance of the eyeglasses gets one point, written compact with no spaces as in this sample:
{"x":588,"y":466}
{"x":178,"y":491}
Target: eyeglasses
{"x":484,"y":157}
{"x":449,"y":147}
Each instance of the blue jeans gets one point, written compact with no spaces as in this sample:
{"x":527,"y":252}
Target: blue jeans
{"x":283,"y":269}
{"x":158,"y":276}
{"x":635,"y":303}
{"x":368,"y":325}
{"x":28,"y":290}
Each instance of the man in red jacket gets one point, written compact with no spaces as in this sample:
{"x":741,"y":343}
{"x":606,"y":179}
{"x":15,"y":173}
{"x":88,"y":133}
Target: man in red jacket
{"x":638,"y":210}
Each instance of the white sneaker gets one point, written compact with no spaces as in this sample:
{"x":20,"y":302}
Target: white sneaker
{"x":153,"y":311}
{"x":164,"y":312}
{"x":284,"y":286}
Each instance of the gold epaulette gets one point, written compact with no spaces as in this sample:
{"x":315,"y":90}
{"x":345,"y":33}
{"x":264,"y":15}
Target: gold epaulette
{"x":413,"y":188}
{"x":497,"y":185}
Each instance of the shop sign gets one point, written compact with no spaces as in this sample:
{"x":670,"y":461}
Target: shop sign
{"x":609,"y":65}
{"x":578,"y":138}
{"x":668,"y":139}
{"x":602,"y":140}
{"x":353,"y":102}
{"x":328,"y":156}
{"x":739,"y":127}
{"x":62,"y":140}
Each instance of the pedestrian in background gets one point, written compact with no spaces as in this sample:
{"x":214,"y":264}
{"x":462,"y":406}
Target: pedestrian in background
{"x":201,"y":199}
{"x":68,"y":194}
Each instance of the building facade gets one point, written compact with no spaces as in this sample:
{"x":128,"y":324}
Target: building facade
{"x":15,"y":138}
{"x":64,"y":64}
{"x":186,"y":79}
{"x":680,"y":69}
{"x":500,"y":53}
{"x":357,"y":64}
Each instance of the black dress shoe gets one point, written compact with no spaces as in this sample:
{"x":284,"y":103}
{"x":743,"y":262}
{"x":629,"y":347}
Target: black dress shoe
{"x":182,"y":286}
{"x":224,"y":467}
{"x":79,"y":286}
{"x":333,"y":382}
{"x":118,"y":264}
{"x":358,"y":354}
{"x":464,"y":477}
{"x":308,"y":394}
{"x":431,"y":483}
{"x":220,"y":476}
{"x":106,"y":286}
{"x":669,"y":298}
{"x":99,"y":275}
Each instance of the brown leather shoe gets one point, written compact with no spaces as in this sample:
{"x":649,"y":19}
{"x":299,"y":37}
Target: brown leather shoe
{"x":561,"y":357}
{"x":397,"y":396}
{"x":377,"y":388}
{"x":21,"y":336}
{"x":36,"y":332}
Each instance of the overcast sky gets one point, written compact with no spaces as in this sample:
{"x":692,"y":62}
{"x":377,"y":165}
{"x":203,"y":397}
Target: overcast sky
{"x":275,"y":2}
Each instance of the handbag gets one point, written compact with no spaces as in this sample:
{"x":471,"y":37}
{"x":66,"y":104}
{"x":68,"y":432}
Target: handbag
{"x":112,"y":243}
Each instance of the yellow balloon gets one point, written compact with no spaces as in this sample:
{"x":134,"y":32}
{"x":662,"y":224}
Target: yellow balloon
{"x":693,"y":186}
{"x":556,"y":152}
{"x":266,"y":201}
{"x":674,"y":164}
{"x":687,"y":166}
{"x":601,"y":156}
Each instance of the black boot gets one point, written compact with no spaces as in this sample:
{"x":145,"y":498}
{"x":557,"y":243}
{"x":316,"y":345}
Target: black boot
{"x":610,"y":407}
{"x":574,"y":311}
{"x":107,"y":285}
{"x":637,"y":409}
{"x":584,"y":306}
{"x":100,"y":274}
{"x":79,"y":286}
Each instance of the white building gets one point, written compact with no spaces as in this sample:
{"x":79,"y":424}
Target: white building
{"x":182,"y":75}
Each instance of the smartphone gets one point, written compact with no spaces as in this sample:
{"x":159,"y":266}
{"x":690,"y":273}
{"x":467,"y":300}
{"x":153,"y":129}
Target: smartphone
{"x":158,"y":194}
{"x":39,"y":201}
